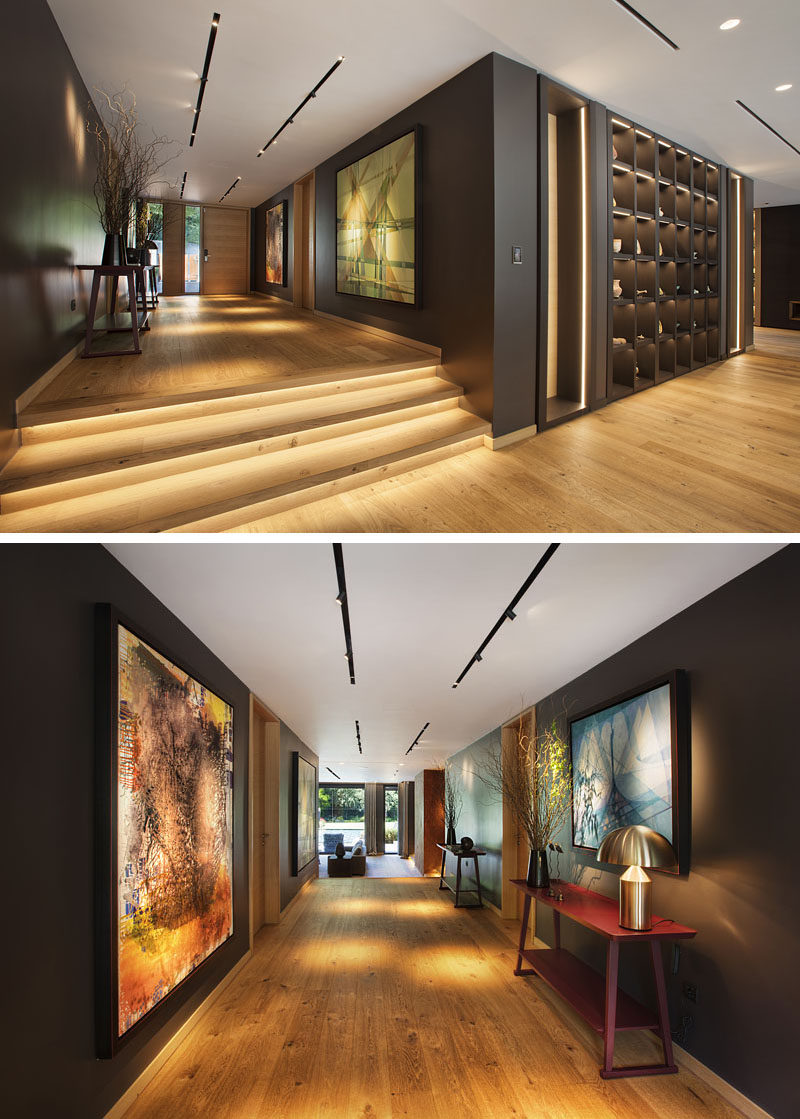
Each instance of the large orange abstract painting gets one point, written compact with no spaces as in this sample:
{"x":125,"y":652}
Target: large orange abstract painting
{"x":174,"y":851}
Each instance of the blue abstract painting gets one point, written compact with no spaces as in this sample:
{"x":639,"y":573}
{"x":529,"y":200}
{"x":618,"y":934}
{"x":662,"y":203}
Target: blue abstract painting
{"x":622,"y":768}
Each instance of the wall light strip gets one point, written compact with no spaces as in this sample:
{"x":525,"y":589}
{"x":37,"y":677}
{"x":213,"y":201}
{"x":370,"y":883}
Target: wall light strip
{"x":341,"y":598}
{"x":623,"y":123}
{"x":738,"y":263}
{"x":584,"y":253}
{"x":212,"y":37}
{"x":774,"y":131}
{"x":235,"y":183}
{"x":650,"y":26}
{"x":641,"y":132}
{"x":416,"y":740}
{"x":509,"y":610}
{"x":290,"y":119}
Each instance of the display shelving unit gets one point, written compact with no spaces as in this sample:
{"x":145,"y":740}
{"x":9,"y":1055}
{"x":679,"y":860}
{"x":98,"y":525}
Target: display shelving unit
{"x":664,"y":259}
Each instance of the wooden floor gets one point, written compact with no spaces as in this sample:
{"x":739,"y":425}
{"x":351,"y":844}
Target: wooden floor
{"x":717,"y":450}
{"x":376,"y":998}
{"x":379,"y":866}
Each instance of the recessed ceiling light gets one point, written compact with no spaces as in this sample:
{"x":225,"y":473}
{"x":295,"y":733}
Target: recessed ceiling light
{"x":729,"y":24}
{"x":783,"y":88}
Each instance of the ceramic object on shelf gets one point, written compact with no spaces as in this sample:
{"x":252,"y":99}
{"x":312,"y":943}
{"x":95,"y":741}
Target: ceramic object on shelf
{"x":618,"y":289}
{"x":617,"y":244}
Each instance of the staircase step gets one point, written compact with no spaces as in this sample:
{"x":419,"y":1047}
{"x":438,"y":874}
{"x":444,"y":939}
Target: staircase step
{"x":237,"y":490}
{"x":104,"y":407}
{"x":37,"y":474}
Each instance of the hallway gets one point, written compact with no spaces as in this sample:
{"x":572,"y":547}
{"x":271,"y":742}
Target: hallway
{"x":376,"y":998}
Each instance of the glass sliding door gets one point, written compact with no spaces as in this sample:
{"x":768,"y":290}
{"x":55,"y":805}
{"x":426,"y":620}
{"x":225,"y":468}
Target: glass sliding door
{"x":390,"y":821}
{"x":341,"y":816}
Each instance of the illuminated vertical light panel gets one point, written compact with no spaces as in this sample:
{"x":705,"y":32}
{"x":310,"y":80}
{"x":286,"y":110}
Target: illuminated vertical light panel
{"x":584,"y":255}
{"x":738,"y":250}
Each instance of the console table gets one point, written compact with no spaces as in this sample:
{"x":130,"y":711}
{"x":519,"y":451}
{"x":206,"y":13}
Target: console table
{"x":599,"y":1001}
{"x":473,"y":854}
{"x":134,"y":274}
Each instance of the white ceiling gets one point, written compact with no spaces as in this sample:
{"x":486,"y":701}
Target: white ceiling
{"x":269,"y":54}
{"x":418,"y":611}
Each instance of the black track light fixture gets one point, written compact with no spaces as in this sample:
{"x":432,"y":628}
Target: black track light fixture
{"x":336,"y":775}
{"x":509,"y":613}
{"x":183,"y":182}
{"x":308,"y":97}
{"x":212,"y":38}
{"x":416,"y":740}
{"x":646,"y":22}
{"x":341,"y":598}
{"x":358,"y":737}
{"x":234,"y":184}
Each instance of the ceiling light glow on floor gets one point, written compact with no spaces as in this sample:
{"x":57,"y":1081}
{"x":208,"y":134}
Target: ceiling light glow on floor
{"x":729,"y":24}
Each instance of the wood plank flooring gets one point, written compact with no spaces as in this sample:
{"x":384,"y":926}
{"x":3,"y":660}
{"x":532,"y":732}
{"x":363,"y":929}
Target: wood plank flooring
{"x":376,"y":998}
{"x":717,"y":450}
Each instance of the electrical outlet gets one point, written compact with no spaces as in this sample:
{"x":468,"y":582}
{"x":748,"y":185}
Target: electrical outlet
{"x":690,"y":992}
{"x":73,"y":305}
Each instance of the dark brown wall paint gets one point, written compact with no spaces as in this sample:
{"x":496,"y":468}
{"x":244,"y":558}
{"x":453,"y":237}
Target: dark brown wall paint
{"x":290,"y":884}
{"x":428,"y":820}
{"x":780,"y":265}
{"x":47,"y":218}
{"x":259,"y":247}
{"x":47,"y":674}
{"x":739,"y":647}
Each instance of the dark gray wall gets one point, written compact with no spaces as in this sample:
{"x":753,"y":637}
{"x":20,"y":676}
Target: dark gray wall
{"x":47,"y":675}
{"x":481,"y":813}
{"x":739,"y":646}
{"x":290,"y":884}
{"x":780,"y":265}
{"x":47,"y":218}
{"x":258,"y":256}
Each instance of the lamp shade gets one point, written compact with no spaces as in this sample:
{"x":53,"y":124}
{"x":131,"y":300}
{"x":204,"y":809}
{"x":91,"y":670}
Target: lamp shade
{"x":636,"y":845}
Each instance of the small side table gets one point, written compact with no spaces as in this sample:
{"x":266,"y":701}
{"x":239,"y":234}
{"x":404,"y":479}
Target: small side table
{"x":134,"y":273}
{"x":473,"y":854}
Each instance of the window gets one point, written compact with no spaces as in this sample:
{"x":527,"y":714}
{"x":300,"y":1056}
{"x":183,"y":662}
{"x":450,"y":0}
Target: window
{"x":341,"y":815}
{"x":191,"y":249}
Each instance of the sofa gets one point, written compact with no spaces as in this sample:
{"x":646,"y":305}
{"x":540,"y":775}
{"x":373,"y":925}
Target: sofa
{"x":349,"y":866}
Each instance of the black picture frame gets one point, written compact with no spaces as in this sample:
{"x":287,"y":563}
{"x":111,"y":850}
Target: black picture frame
{"x":680,"y":723}
{"x":417,"y":132}
{"x":283,"y":206}
{"x":108,"y":1041}
{"x":298,"y":865}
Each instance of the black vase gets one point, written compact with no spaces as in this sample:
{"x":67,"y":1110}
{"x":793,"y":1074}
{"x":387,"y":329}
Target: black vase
{"x":114,"y":249}
{"x":538,"y":874}
{"x":450,"y":838}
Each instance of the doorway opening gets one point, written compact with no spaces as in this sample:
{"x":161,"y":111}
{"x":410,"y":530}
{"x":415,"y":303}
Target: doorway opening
{"x":390,"y":819}
{"x":304,"y":243}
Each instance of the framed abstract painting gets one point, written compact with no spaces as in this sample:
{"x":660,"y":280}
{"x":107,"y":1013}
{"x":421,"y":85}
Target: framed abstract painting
{"x":276,"y":244}
{"x":630,"y":765}
{"x":165,"y":826}
{"x":304,"y":813}
{"x":377,"y":223}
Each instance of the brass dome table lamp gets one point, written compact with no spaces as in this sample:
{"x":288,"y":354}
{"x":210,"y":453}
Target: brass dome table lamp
{"x":635,"y":847}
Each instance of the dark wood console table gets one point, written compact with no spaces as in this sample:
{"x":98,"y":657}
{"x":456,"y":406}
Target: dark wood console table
{"x":599,"y":1002}
{"x":473,"y":854}
{"x":113,"y":323}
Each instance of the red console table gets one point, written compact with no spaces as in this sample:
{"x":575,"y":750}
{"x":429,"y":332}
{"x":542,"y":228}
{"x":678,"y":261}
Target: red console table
{"x":598,"y":1001}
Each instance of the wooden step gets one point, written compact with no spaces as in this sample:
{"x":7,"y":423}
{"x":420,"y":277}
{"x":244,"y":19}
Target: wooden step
{"x":42,"y":469}
{"x":239,"y":489}
{"x":61,"y":411}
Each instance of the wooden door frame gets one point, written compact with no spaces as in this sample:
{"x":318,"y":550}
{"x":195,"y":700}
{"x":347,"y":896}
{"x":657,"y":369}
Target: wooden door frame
{"x":305,"y":184}
{"x":260,"y":713}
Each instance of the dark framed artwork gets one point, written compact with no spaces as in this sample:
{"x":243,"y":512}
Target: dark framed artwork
{"x":276,"y":244}
{"x":304,"y":813}
{"x":630,"y":765}
{"x":165,"y":826}
{"x":377,"y":223}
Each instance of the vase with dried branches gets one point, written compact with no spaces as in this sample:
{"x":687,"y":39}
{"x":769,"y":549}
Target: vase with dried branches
{"x":453,"y":803}
{"x":533,"y":777}
{"x":128,"y":164}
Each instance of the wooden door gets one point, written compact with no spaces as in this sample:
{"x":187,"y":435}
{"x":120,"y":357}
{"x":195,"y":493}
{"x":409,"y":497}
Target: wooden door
{"x":172,"y":265}
{"x":304,"y":243}
{"x":225,"y":251}
{"x":265,"y":885}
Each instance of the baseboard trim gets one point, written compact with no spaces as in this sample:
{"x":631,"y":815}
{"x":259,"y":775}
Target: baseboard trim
{"x":311,"y":878}
{"x":497,"y":444}
{"x":387,"y":334}
{"x":730,"y":1094}
{"x":128,"y":1099}
{"x":41,"y":383}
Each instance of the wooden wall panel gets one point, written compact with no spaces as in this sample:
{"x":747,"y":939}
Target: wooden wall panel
{"x":515,"y":847}
{"x":225,"y":237}
{"x":428,"y":820}
{"x":172,"y":262}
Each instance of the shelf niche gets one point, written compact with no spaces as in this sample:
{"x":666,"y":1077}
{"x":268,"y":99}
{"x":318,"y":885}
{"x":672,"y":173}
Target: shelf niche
{"x":565,"y":210}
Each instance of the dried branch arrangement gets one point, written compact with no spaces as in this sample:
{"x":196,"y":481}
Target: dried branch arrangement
{"x":533,"y":777}
{"x":127,"y":163}
{"x":453,"y":801}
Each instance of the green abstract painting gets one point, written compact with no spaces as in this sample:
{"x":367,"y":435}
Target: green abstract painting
{"x":376,"y":224}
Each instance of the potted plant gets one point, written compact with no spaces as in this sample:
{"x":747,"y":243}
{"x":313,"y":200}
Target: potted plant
{"x":533,"y":777}
{"x":452,"y":804}
{"x":127,"y":166}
